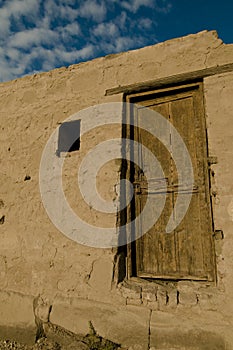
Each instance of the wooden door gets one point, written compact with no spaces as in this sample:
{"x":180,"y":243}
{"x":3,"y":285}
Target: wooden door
{"x":187,"y":252}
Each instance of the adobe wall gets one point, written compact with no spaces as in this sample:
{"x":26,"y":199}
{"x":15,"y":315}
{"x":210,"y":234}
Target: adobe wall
{"x":77,"y":280}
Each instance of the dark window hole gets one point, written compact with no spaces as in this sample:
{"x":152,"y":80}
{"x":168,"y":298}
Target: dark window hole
{"x":69,"y":137}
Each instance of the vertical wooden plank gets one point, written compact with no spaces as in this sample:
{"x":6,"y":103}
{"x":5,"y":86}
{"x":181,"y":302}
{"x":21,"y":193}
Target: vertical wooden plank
{"x":189,"y":234}
{"x":156,"y":250}
{"x":205,"y":216}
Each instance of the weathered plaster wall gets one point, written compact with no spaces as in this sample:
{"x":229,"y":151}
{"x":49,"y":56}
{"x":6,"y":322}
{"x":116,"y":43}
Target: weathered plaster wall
{"x":35,"y":258}
{"x":218,"y":91}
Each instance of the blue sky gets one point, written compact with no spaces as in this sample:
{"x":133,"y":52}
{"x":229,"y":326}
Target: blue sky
{"x":39,"y":35}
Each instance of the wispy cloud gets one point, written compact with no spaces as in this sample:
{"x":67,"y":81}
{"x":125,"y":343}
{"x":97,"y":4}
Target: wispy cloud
{"x":145,"y":23}
{"x":106,"y":29}
{"x":91,"y":9}
{"x":134,"y":5}
{"x":33,"y":37}
{"x":37,"y":35}
{"x":165,"y":6}
{"x":12,"y":11}
{"x":58,"y":10}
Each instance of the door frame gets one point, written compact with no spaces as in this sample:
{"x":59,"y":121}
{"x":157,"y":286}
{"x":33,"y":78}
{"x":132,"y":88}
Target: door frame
{"x":128,"y":132}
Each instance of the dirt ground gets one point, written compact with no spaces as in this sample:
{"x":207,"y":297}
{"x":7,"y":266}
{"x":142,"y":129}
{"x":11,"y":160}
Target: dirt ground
{"x":52,"y":337}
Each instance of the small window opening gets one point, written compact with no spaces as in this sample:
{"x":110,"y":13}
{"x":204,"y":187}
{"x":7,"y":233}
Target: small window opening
{"x":69,"y":137}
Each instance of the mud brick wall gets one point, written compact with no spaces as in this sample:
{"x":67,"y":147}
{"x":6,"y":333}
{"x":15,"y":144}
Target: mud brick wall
{"x":78,"y":281}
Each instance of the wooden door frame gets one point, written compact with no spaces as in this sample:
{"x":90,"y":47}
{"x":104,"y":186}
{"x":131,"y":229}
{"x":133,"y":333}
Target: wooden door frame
{"x":132,"y":98}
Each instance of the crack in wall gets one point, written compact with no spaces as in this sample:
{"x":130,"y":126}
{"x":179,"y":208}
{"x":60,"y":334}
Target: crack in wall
{"x":209,"y":51}
{"x":88,"y":276}
{"x":149,"y":329}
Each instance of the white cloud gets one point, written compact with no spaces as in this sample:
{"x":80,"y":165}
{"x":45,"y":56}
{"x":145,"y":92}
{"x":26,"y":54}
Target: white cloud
{"x":92,"y":10}
{"x":38,"y":35}
{"x":23,"y":62}
{"x":4,"y":26}
{"x":60,"y":10}
{"x":145,"y":23}
{"x":72,"y":29}
{"x":124,"y":42}
{"x":121,"y":43}
{"x":121,"y":19}
{"x":12,"y":53}
{"x":32,"y":37}
{"x":106,"y":29}
{"x":12,"y":69}
{"x":69,"y":56}
{"x":162,"y":6}
{"x":16,"y":9}
{"x":134,"y":5}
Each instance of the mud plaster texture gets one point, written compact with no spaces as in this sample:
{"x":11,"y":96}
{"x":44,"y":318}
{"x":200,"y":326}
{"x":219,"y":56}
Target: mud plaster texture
{"x":75,"y":282}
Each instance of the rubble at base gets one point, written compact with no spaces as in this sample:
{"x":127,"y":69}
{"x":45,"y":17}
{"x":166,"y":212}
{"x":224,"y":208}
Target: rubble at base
{"x":58,"y":338}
